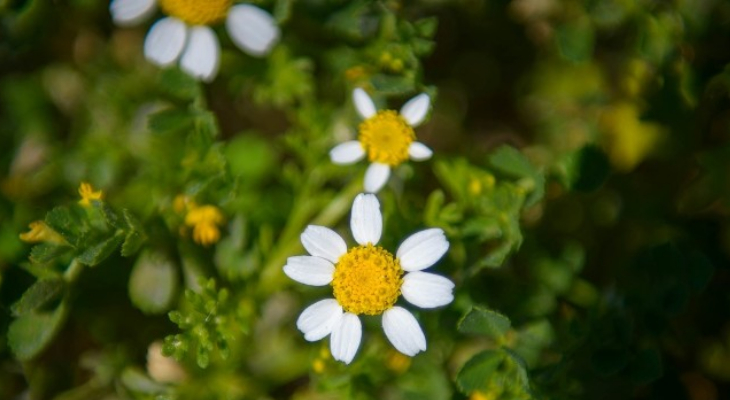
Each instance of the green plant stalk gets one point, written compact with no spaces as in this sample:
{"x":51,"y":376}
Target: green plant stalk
{"x":272,"y":275}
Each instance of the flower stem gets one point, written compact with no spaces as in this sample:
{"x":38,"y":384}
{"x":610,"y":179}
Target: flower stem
{"x":272,"y":275}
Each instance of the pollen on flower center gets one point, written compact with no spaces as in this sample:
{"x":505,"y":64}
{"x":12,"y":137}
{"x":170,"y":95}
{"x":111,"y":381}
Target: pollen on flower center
{"x":197,"y":12}
{"x":385,"y":137}
{"x":367,"y":280}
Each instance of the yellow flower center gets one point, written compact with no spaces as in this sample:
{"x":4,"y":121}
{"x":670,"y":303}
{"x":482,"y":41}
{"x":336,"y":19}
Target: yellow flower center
{"x":367,"y":280}
{"x":385,"y":137}
{"x":197,"y":12}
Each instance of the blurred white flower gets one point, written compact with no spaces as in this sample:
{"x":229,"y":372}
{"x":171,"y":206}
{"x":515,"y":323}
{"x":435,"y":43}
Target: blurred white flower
{"x":386,"y":137}
{"x":185,"y":36}
{"x":368,"y":279}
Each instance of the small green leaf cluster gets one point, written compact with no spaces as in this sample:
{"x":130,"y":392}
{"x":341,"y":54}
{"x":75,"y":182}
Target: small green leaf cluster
{"x":207,"y":323}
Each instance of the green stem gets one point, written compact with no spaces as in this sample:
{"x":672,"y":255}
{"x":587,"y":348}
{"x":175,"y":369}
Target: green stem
{"x":272,"y":275}
{"x":73,"y":271}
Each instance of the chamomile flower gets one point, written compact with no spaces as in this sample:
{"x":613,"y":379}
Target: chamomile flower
{"x":185,"y":35}
{"x":368,"y":280}
{"x":386,"y":137}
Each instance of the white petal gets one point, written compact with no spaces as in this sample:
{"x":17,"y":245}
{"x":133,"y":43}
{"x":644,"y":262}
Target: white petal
{"x":252,"y":29}
{"x":376,"y":176}
{"x":366,"y":221}
{"x":415,"y":110}
{"x":347,"y":153}
{"x":422,"y":249}
{"x":419,"y":151}
{"x":309,"y":270}
{"x":201,"y":57}
{"x":427,"y":290}
{"x":363,"y":103}
{"x":318,"y":320}
{"x":345,"y":338}
{"x":323,"y":242}
{"x":131,"y":12}
{"x":403,"y":331}
{"x":165,"y":41}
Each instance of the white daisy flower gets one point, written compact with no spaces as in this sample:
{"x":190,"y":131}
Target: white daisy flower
{"x":386,"y":137}
{"x":185,"y":36}
{"x":368,"y":279}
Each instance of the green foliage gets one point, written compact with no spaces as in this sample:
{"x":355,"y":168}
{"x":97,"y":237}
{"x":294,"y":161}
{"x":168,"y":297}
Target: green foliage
{"x":484,"y":322}
{"x":208,"y":324}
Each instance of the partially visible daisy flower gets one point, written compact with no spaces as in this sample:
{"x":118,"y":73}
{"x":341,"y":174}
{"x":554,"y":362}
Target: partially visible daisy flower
{"x":185,"y":34}
{"x":367,"y":279}
{"x":386,"y":137}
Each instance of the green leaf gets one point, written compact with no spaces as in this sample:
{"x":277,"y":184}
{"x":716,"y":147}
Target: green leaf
{"x":135,"y":234}
{"x":153,"y":283}
{"x":171,"y":120}
{"x":45,"y":252}
{"x":475,"y":374}
{"x":38,"y":295}
{"x":480,"y":321}
{"x":31,"y":333}
{"x":132,"y":242}
{"x":67,"y":223}
{"x":100,"y":251}
{"x":510,"y":161}
{"x":111,"y":216}
{"x":426,"y":27}
{"x":575,"y":39}
{"x":179,"y":84}
{"x":513,"y":163}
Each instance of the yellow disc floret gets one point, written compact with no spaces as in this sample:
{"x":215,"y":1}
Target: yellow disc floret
{"x":386,"y":137}
{"x":197,"y":12}
{"x":367,"y":280}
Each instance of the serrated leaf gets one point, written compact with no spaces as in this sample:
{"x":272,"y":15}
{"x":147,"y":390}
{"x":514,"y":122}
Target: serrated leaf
{"x":31,"y":333}
{"x":132,"y":221}
{"x":480,"y":321}
{"x":475,"y":374}
{"x":111,"y":216}
{"x":153,"y":283}
{"x":172,"y":120}
{"x":45,"y":252}
{"x":38,"y":295}
{"x":132,"y":242}
{"x":64,"y":221}
{"x":100,"y":251}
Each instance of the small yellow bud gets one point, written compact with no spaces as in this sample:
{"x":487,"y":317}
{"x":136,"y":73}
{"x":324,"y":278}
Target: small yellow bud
{"x":40,"y":232}
{"x":205,"y":221}
{"x":87,"y":193}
